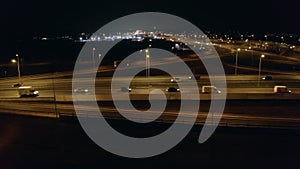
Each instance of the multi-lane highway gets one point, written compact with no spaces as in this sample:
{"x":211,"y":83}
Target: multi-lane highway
{"x":61,"y":84}
{"x":251,"y":101}
{"x":247,"y":103}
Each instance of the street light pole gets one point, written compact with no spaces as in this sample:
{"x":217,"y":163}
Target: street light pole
{"x":99,"y":56}
{"x":259,"y":68}
{"x":147,"y":63}
{"x":236,"y":60}
{"x":19,"y":70}
{"x":18,"y":66}
{"x":148,"y":66}
{"x":93,"y":59}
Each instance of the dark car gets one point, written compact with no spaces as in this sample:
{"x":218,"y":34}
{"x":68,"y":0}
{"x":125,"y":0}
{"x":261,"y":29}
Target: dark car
{"x":267,"y":78}
{"x":173,"y":89}
{"x":17,"y":85}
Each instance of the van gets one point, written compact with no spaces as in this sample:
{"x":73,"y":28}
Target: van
{"x":210,"y":89}
{"x":27,"y":91}
{"x":281,"y":89}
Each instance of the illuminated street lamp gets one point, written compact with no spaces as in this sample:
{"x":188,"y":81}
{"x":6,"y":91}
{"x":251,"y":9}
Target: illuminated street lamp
{"x":236,"y":60}
{"x":93,"y":59}
{"x":18,"y":66}
{"x":148,"y":67}
{"x":147,"y":63}
{"x":259,"y":67}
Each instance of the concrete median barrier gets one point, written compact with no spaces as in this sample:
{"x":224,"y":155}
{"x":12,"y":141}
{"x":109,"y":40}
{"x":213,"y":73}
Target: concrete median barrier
{"x":176,"y":96}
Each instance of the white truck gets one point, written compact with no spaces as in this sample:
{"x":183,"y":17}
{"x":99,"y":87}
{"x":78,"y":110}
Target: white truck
{"x":27,"y":91}
{"x":210,"y":89}
{"x":281,"y":89}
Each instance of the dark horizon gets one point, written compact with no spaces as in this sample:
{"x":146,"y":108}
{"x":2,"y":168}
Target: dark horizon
{"x":23,"y":20}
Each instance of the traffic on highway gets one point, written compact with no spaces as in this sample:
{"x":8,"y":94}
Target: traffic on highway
{"x":245,"y":84}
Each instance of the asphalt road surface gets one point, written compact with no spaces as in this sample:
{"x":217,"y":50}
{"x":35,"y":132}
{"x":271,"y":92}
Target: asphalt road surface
{"x":62,"y":84}
{"x":246,"y":105}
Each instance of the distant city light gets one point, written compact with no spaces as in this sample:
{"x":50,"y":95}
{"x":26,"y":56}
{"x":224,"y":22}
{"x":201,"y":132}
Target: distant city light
{"x":140,"y":35}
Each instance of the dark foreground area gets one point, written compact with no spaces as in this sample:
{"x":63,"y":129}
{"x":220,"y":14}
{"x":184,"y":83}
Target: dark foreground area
{"x":32,"y":142}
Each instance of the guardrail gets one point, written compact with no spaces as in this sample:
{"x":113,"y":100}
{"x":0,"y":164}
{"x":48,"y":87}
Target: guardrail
{"x":177,"y":96}
{"x":65,"y":112}
{"x":224,"y":123}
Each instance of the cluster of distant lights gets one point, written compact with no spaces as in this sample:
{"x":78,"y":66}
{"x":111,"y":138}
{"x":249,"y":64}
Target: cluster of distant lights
{"x":267,"y":37}
{"x":139,"y":36}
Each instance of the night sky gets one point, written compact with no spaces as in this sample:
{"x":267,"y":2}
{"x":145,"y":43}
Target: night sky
{"x":21,"y":19}
{"x":53,"y":16}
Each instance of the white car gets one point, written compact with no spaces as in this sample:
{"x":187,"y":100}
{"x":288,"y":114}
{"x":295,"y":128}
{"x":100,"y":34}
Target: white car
{"x":125,"y":89}
{"x":81,"y":90}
